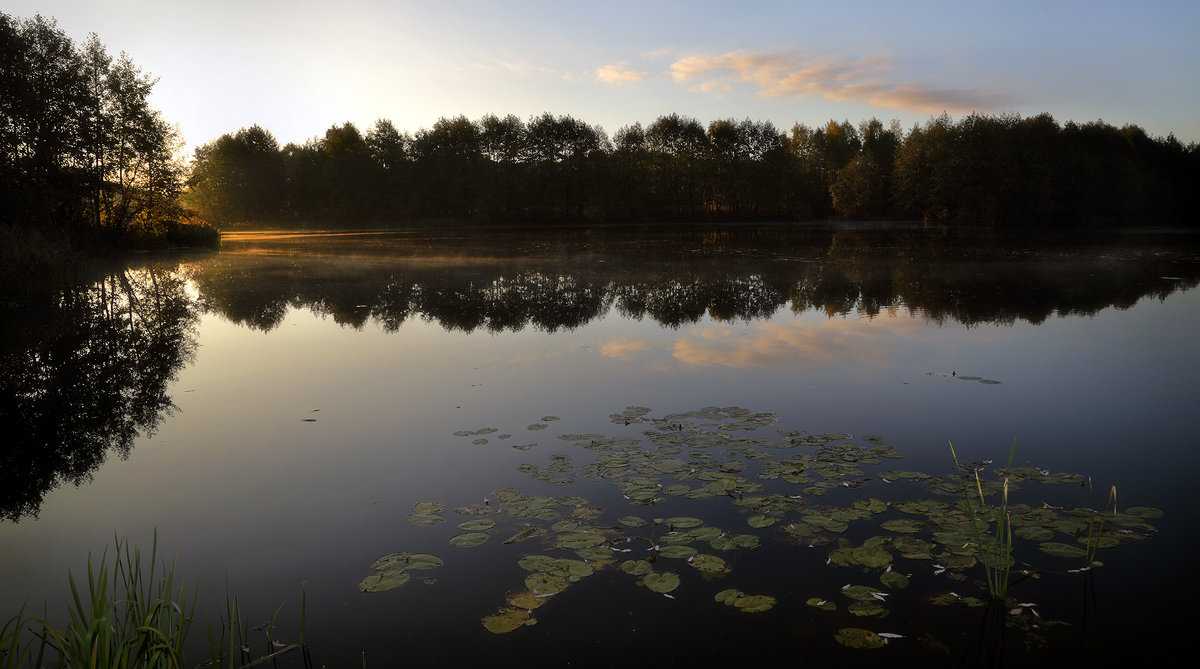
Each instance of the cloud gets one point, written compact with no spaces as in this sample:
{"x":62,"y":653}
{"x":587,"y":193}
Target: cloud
{"x":621,"y":347}
{"x":793,"y":344}
{"x":786,"y":74}
{"x":615,"y":75}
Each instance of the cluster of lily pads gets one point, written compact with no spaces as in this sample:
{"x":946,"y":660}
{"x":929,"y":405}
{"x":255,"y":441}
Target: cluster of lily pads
{"x":775,"y":480}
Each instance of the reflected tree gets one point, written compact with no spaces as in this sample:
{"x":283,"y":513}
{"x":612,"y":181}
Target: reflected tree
{"x":85,"y":372}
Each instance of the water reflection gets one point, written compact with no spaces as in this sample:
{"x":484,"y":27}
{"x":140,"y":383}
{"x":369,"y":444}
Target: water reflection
{"x":498,"y":282}
{"x":83,"y":372}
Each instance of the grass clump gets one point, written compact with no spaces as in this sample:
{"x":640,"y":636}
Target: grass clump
{"x":996,"y":544}
{"x":135,"y":614}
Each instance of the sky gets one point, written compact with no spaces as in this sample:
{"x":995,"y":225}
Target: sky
{"x":297,"y":67}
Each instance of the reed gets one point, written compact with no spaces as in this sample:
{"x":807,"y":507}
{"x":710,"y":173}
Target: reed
{"x":1096,"y":524}
{"x":995,"y":545}
{"x":134,"y":614}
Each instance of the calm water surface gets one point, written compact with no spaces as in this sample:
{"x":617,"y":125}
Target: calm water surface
{"x":274,"y":410}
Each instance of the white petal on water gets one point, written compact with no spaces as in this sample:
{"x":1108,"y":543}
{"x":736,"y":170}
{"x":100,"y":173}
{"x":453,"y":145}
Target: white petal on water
{"x":890,"y":635}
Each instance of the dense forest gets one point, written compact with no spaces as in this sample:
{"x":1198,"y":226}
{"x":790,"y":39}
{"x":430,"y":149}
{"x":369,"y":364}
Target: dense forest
{"x":1001,"y":170}
{"x":85,"y":159}
{"x":83,"y":156}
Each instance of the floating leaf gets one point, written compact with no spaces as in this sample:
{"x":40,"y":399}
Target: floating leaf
{"x":854,"y":637}
{"x":636,"y":567}
{"x":663,"y":581}
{"x":468,"y":539}
{"x":1062,"y":550}
{"x":902,"y":525}
{"x":525,"y":599}
{"x":428,"y":508}
{"x":822,"y":604}
{"x":868,"y":609}
{"x":425,"y":519}
{"x":754,"y":603}
{"x":683,"y":522}
{"x":677,"y":551}
{"x":477,"y":525}
{"x":384,"y":580}
{"x":399,"y":561}
{"x":507,"y":621}
{"x":1144,"y":512}
{"x":894,"y":579}
{"x":760,"y":521}
{"x":709,"y":564}
{"x":729,"y":596}
{"x":632,"y":521}
{"x":545,"y":584}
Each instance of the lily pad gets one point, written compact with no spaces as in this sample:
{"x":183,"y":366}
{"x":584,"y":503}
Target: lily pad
{"x":636,"y":567}
{"x":709,"y":564}
{"x":854,"y":637}
{"x":822,"y":604}
{"x":760,"y":521}
{"x":1062,"y":550}
{"x":754,"y":603}
{"x":546,"y":584}
{"x":894,"y":579}
{"x":400,"y":561}
{"x":477,"y":525}
{"x":902,"y":525}
{"x":632,"y":521}
{"x":428,"y":507}
{"x":425,"y":519}
{"x":468,"y":539}
{"x":729,"y":596}
{"x":507,"y":620}
{"x":677,"y":551}
{"x":662,"y":581}
{"x":384,"y":580}
{"x":525,"y":599}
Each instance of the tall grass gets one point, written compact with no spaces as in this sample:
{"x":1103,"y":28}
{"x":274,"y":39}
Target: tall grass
{"x":1096,"y":524}
{"x":995,"y":545}
{"x":136,"y":614}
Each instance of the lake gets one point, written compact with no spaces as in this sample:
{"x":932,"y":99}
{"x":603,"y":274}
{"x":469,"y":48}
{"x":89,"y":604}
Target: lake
{"x":680,"y":444}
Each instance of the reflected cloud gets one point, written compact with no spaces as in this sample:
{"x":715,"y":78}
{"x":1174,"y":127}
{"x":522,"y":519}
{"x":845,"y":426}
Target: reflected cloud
{"x":794,"y":343}
{"x":787,"y":74}
{"x":620,"y":348}
{"x":615,"y":75}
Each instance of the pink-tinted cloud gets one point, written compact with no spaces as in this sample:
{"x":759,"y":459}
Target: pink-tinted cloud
{"x":791,"y":344}
{"x":785,"y":74}
{"x":621,"y":347}
{"x":615,"y":75}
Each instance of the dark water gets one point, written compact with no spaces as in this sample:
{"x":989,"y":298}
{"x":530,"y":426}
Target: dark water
{"x":275,"y":410}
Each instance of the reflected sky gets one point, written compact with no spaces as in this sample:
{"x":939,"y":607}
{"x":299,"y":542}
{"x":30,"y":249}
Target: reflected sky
{"x":296,"y":450}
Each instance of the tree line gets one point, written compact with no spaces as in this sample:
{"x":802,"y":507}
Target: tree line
{"x":83,"y":156}
{"x":1003,"y":170}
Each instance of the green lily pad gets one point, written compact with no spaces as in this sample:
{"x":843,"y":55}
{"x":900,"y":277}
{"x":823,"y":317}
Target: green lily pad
{"x":468,"y":539}
{"x":754,"y":603}
{"x":683,"y":522}
{"x":861,"y":593}
{"x":580,"y":540}
{"x":546,"y":584}
{"x":710,"y":564}
{"x":1144,"y":512}
{"x":632,"y":521}
{"x":729,"y":596}
{"x":425,"y":519}
{"x":822,"y":604}
{"x":1062,"y":550}
{"x":400,"y":561}
{"x":384,"y":580}
{"x":760,"y":521}
{"x":677,"y":551}
{"x":507,"y":620}
{"x":903,"y":525}
{"x":868,"y":609}
{"x":426,"y":508}
{"x":477,"y":525}
{"x":854,"y":637}
{"x":636,"y":567}
{"x":894,"y":579}
{"x":663,"y":581}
